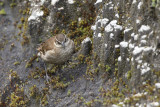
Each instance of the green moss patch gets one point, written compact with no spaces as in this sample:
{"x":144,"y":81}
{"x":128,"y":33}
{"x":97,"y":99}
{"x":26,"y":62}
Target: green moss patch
{"x":2,"y":12}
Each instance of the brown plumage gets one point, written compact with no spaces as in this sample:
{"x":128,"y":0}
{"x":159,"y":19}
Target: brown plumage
{"x":56,"y":50}
{"x":47,"y":45}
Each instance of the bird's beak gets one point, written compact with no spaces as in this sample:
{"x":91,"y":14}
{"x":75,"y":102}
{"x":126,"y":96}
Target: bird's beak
{"x":63,"y":45}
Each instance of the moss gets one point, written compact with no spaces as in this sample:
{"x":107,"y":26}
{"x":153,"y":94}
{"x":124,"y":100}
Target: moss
{"x":37,"y":59}
{"x":61,"y":85}
{"x":22,"y":19}
{"x":1,"y":3}
{"x":25,"y":40}
{"x":24,"y":12}
{"x":13,"y":5}
{"x":19,"y":26}
{"x":44,"y":101}
{"x":2,"y":12}
{"x":20,"y":10}
{"x":108,"y":68}
{"x":129,"y":74}
{"x":45,"y":11}
{"x":28,"y":65}
{"x":27,"y":11}
{"x":17,"y":63}
{"x":17,"y":98}
{"x":14,"y":74}
{"x":53,"y":70}
{"x":81,"y":58}
{"x":69,"y":93}
{"x":89,"y":103}
{"x":34,"y":91}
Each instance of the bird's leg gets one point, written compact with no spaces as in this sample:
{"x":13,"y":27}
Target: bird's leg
{"x":47,"y":77}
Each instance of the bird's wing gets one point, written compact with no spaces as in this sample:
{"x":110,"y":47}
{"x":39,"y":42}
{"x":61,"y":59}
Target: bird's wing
{"x":47,"y":45}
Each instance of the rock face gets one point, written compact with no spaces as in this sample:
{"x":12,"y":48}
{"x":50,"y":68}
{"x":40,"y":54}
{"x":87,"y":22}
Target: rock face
{"x":133,"y":32}
{"x":116,"y":62}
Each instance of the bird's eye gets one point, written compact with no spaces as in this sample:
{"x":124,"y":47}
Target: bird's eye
{"x":58,"y":43}
{"x":66,"y":39}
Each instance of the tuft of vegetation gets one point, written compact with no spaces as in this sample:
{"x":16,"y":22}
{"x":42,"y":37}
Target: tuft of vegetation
{"x":1,"y":3}
{"x":13,"y":5}
{"x":2,"y":12}
{"x":16,"y":63}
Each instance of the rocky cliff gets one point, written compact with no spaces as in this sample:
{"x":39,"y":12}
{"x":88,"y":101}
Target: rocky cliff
{"x":116,"y":61}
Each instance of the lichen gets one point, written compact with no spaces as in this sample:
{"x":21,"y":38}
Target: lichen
{"x":69,"y":93}
{"x":1,"y":3}
{"x":16,"y":63}
{"x":2,"y":12}
{"x":13,"y":5}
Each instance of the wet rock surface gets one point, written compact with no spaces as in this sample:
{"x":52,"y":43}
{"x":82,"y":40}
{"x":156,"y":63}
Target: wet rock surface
{"x":116,"y":60}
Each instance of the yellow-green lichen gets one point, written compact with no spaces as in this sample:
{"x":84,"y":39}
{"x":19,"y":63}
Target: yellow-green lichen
{"x":129,"y":74}
{"x":69,"y":93}
{"x":16,"y":63}
{"x":44,"y":101}
{"x":13,"y":5}
{"x":2,"y":12}
{"x":1,"y":3}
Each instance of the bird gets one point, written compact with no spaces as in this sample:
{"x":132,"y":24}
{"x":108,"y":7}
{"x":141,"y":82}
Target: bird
{"x":56,"y":50}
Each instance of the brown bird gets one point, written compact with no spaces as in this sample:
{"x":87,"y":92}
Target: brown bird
{"x":56,"y":50}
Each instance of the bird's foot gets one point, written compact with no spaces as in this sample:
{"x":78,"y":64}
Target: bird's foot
{"x":47,"y":78}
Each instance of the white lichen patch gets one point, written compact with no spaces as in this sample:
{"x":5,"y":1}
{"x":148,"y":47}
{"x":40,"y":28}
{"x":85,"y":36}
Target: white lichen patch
{"x":35,"y":3}
{"x":113,"y":25}
{"x":131,"y":46}
{"x":144,"y":28}
{"x":153,"y":104}
{"x":105,"y":45}
{"x":116,"y":46}
{"x":137,"y":50}
{"x":157,"y":85}
{"x":42,"y":2}
{"x":93,"y":27}
{"x":103,"y":22}
{"x":145,"y":68}
{"x":87,"y":39}
{"x":139,"y":61}
{"x":136,"y":37}
{"x":147,"y":49}
{"x":36,"y":13}
{"x":71,"y":1}
{"x":144,"y":37}
{"x":138,"y":21}
{"x":61,"y":8}
{"x":138,"y":66}
{"x":134,"y":1}
{"x":98,"y":1}
{"x":139,"y":5}
{"x":138,"y":95}
{"x":99,"y":35}
{"x":119,"y":59}
{"x":115,"y":105}
{"x":109,"y":28}
{"x":132,"y":35}
{"x":143,"y":41}
{"x":111,"y":35}
{"x":117,"y":15}
{"x":53,"y":2}
{"x":124,"y":44}
{"x":127,"y":30}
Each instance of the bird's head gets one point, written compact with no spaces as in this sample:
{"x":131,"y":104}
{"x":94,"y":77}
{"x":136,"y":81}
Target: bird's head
{"x":61,"y":40}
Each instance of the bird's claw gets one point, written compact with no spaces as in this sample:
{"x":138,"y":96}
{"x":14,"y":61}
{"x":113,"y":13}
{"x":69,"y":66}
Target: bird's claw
{"x":47,"y":78}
